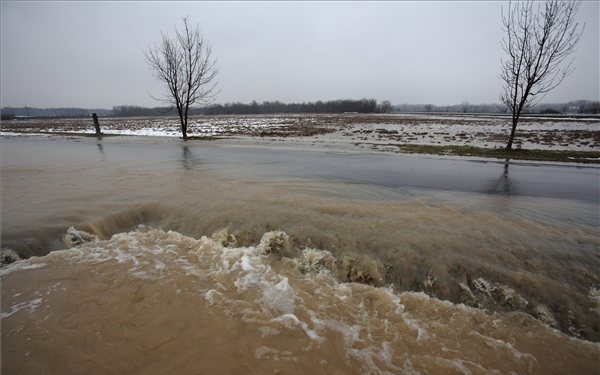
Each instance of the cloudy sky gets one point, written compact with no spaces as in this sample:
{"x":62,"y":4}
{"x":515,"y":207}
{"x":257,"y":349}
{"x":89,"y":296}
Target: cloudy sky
{"x":90,"y":54}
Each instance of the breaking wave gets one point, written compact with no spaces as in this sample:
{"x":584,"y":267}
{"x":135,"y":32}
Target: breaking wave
{"x":153,"y":301}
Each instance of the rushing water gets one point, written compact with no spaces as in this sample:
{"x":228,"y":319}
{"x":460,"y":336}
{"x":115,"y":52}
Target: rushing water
{"x":199,"y":258}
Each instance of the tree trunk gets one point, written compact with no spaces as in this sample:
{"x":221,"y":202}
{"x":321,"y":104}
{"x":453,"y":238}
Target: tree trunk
{"x":184,"y":130}
{"x":512,"y":133}
{"x":183,"y":124}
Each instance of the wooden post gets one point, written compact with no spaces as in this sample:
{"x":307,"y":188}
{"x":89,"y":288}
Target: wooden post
{"x":96,"y":125}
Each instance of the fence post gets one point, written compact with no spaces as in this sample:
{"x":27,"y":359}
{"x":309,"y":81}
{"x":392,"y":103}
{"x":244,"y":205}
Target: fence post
{"x":96,"y":125}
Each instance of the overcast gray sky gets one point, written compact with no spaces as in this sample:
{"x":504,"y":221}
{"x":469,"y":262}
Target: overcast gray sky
{"x":90,"y":54}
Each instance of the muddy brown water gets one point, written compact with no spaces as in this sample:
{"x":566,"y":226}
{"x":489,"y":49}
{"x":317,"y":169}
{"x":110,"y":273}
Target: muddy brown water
{"x":205,"y":258}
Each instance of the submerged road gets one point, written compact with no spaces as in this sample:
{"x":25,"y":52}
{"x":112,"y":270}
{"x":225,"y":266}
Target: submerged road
{"x":515,"y":178}
{"x":512,"y":178}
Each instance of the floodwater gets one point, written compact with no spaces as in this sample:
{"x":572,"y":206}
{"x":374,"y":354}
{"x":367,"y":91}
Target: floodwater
{"x":155,"y":256}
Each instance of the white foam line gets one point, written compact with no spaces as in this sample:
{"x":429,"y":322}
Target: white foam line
{"x":19,"y":266}
{"x":31,"y":305}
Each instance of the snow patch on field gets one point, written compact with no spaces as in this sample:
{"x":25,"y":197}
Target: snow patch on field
{"x":374,"y":132}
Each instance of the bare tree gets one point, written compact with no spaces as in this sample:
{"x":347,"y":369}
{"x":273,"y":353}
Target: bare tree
{"x":385,"y":106}
{"x":465,"y":106}
{"x":537,"y":43}
{"x":185,"y":65}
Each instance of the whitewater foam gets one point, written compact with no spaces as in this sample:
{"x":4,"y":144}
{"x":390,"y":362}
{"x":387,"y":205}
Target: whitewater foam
{"x":31,"y":305}
{"x":286,"y":309}
{"x":19,"y":266}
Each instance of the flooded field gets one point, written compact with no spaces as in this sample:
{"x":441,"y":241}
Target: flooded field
{"x":370,"y":132}
{"x":153,"y":255}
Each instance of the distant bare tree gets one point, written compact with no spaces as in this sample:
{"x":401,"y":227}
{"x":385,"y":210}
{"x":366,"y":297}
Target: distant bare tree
{"x":537,"y":42}
{"x":465,"y":106}
{"x":185,"y":65}
{"x":385,"y":106}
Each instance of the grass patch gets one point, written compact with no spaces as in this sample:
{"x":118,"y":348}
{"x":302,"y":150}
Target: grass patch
{"x":590,"y":157}
{"x":202,"y":138}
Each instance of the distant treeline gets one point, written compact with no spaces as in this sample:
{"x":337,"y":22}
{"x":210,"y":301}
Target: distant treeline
{"x":576,"y":106}
{"x":134,"y":110}
{"x":12,"y":112}
{"x":572,"y":107}
{"x":332,"y":106}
